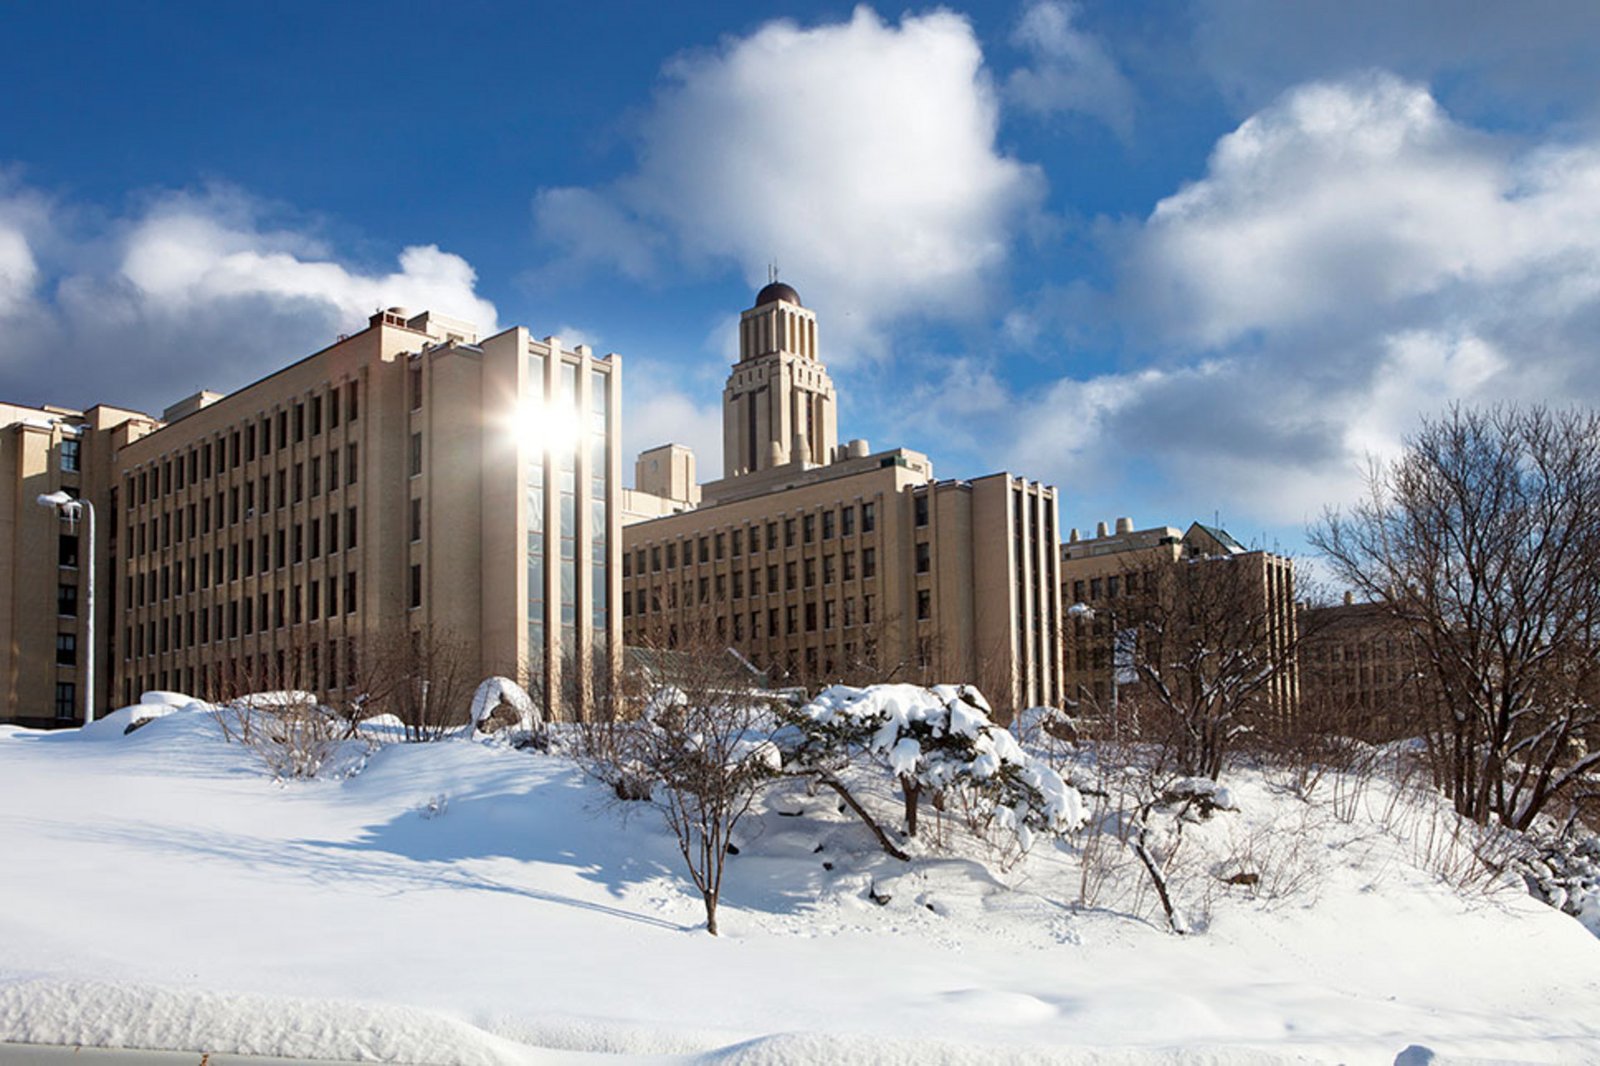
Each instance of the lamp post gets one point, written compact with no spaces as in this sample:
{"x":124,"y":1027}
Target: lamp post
{"x":70,"y":508}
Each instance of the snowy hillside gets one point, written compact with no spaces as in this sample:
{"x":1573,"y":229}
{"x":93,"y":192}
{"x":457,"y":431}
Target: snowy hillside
{"x":464,"y":902}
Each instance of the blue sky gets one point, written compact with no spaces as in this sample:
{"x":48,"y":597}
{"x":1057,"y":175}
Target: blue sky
{"x":1184,"y":260}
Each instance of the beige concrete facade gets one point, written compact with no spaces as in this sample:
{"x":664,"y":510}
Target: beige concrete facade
{"x":409,"y":479}
{"x":44,"y":631}
{"x":821,"y":562}
{"x":1361,"y":666}
{"x":1118,"y":573}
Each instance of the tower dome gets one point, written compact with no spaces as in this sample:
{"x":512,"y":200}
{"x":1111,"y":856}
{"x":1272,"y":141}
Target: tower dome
{"x":776,"y":291}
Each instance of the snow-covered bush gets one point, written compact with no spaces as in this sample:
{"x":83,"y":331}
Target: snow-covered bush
{"x":1563,"y":870}
{"x":937,"y":743}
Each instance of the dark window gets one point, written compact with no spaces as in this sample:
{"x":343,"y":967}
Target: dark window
{"x":416,"y":519}
{"x":416,"y":584}
{"x":66,"y":649}
{"x":924,"y":604}
{"x":920,"y":509}
{"x":416,"y":454}
{"x":316,"y":415}
{"x":350,"y":528}
{"x":869,"y":517}
{"x":924,"y":557}
{"x":351,"y":466}
{"x":827,"y":525}
{"x":869,"y":562}
{"x":67,"y":600}
{"x":350,"y":591}
{"x":66,"y":699}
{"x":69,"y":454}
{"x":808,"y":528}
{"x":67,"y":549}
{"x":416,"y":387}
{"x":353,"y":396}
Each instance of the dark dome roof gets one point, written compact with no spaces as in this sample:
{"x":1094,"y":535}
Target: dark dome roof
{"x":777,"y":291}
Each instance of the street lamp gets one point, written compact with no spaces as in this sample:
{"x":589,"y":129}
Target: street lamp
{"x":69,"y":508}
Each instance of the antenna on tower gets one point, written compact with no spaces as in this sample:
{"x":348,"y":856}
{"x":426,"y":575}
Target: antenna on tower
{"x":772,"y":271}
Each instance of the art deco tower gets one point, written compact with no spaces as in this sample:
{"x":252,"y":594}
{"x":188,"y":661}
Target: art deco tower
{"x":779,"y":407}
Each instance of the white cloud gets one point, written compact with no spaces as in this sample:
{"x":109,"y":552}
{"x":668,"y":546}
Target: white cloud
{"x":860,"y":156}
{"x":659,"y":413}
{"x":189,"y":250}
{"x":194,"y":290}
{"x":1071,"y":71}
{"x":1353,"y":258}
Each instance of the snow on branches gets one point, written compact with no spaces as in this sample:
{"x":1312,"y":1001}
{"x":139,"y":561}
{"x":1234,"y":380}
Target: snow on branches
{"x":938,"y":742}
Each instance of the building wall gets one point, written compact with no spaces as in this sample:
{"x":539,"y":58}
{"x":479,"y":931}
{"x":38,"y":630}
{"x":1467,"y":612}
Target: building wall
{"x":45,"y":450}
{"x":1120,"y":576}
{"x":405,"y":483}
{"x":1361,"y":666}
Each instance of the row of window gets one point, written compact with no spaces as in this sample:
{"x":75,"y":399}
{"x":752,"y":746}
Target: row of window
{"x":1095,"y":588}
{"x":292,"y":484}
{"x":273,"y":550}
{"x":295,"y":669}
{"x":794,"y":618}
{"x":840,"y":522}
{"x":241,"y":445}
{"x":242,"y":617}
{"x":796,"y":573}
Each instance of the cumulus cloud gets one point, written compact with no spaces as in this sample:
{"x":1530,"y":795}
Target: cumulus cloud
{"x":195,"y":290}
{"x":860,"y":156}
{"x":1071,"y":70}
{"x":1353,"y":257}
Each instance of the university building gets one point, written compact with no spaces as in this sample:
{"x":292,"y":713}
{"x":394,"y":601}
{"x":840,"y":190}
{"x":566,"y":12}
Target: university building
{"x":1123,"y":580}
{"x":821,"y":561}
{"x":410,"y":483}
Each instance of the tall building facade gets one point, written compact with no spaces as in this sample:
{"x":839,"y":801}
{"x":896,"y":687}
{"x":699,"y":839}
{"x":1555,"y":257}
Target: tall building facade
{"x":45,"y":619}
{"x":409,"y":483}
{"x":821,"y":562}
{"x":1122,"y":580}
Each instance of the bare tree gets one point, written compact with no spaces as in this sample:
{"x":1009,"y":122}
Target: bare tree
{"x":1206,"y":655}
{"x":1483,"y":541}
{"x":698,"y":750}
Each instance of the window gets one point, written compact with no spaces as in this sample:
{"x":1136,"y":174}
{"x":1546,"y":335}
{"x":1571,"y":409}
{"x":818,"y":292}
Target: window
{"x":416,"y":519}
{"x":869,"y":517}
{"x":849,"y":566}
{"x":924,"y":557}
{"x":353,"y":400}
{"x":350,"y":528}
{"x":788,"y":532}
{"x":920,"y":509}
{"x":869,"y":562}
{"x":67,"y":550}
{"x":316,"y":476}
{"x":66,"y":649}
{"x":827,"y":525}
{"x":847,"y":521}
{"x":299,"y":422}
{"x":316,"y":415}
{"x":416,"y":387}
{"x":808,"y":528}
{"x":827,"y":570}
{"x":924,"y":605}
{"x":69,"y":454}
{"x":350,"y":589}
{"x":811,"y":572}
{"x":67,"y":600}
{"x":66,"y":698}
{"x":416,"y":454}
{"x":416,"y":584}
{"x":351,"y":467}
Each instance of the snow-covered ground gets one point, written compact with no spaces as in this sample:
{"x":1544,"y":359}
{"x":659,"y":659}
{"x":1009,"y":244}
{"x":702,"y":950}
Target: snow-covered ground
{"x":464,"y":902}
